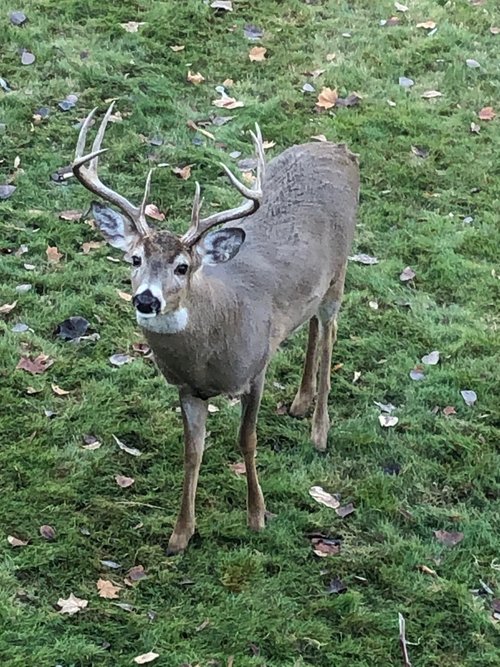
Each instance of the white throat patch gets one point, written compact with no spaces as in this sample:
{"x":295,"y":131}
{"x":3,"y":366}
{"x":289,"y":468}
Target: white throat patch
{"x":169,"y":323}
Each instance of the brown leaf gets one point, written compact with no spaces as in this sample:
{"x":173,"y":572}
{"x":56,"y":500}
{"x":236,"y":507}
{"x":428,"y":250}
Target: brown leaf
{"x":136,"y":573}
{"x":238,"y":468}
{"x":227,"y":83}
{"x":72,"y":214}
{"x":107,"y":589}
{"x":426,"y":25}
{"x":350,"y":101}
{"x":486,"y":113}
{"x":315,"y":73}
{"x":132,"y":26}
{"x":15,"y":541}
{"x":427,"y":570}
{"x":327,"y":98}
{"x":431,"y":94}
{"x":154,"y":212}
{"x":183,"y":172}
{"x":449,"y":539}
{"x":257,"y":54}
{"x":53,"y":254}
{"x":124,"y":295}
{"x":192,"y":125}
{"x":324,"y":547}
{"x":123,"y":481}
{"x":449,"y":410}
{"x":195,"y":78}
{"x":146,"y":657}
{"x":47,"y":532}
{"x":495,"y":30}
{"x":92,"y":245}
{"x":58,"y":391}
{"x":71,"y":605}
{"x":345,"y":510}
{"x":281,"y":408}
{"x":35,"y":366}
{"x":7,"y":307}
{"x":323,"y":497}
{"x":407,"y":274}
{"x":226,"y":102}
{"x":141,"y":348}
{"x":177,"y":47}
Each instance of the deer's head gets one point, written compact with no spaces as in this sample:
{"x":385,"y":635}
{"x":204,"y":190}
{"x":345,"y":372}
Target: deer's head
{"x":163,"y":263}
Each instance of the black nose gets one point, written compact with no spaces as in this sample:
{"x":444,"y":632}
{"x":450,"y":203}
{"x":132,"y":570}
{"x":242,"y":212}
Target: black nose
{"x":145,"y":302}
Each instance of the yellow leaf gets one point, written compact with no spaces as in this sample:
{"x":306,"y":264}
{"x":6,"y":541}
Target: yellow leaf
{"x":183,"y":172}
{"x":7,"y":307}
{"x":53,"y":254}
{"x":226,"y":102}
{"x":327,"y":98}
{"x":177,"y":47}
{"x":195,"y":78}
{"x":107,"y":589}
{"x":57,"y":390}
{"x":146,"y":657}
{"x":431,"y":94}
{"x":427,"y":25}
{"x":91,"y":245}
{"x":257,"y":54}
{"x":124,"y":295}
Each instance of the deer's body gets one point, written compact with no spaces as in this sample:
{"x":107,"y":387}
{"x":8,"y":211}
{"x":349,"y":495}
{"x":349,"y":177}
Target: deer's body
{"x":296,"y":246}
{"x":215,"y":305}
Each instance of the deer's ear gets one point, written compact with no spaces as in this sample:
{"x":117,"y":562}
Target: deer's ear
{"x":115,"y":228}
{"x":221,"y":245}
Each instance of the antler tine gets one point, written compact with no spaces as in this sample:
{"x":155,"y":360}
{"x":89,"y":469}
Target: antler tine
{"x":82,"y":137}
{"x":141,"y":222}
{"x":100,"y":136}
{"x":194,"y":233}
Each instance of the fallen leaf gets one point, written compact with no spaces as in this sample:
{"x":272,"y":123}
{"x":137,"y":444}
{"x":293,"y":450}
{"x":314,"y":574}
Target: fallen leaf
{"x":47,"y":532}
{"x":420,"y":152}
{"x":323,"y":497}
{"x":58,"y":391}
{"x":336,"y":586}
{"x":7,"y":307}
{"x":238,"y":468}
{"x":111,"y":564}
{"x":387,"y":420}
{"x":323,"y":547}
{"x":430,"y":94}
{"x":91,"y":442}
{"x":124,"y":295}
{"x":373,"y":305}
{"x":227,"y":83}
{"x":27,"y":58}
{"x":319,"y":137}
{"x":427,"y":570}
{"x":253,"y":32}
{"x":486,"y":113}
{"x":130,"y":450}
{"x":327,"y":98}
{"x":71,"y":605}
{"x":266,"y":145}
{"x":31,"y":391}
{"x":153,"y":211}
{"x":345,"y":510}
{"x":364,"y":259}
{"x":350,"y":101}
{"x":107,"y":589}
{"x":124,"y":481}
{"x":400,"y":8}
{"x":183,"y":172}
{"x":17,"y":18}
{"x":405,"y":82}
{"x":226,"y":102}
{"x":72,"y":328}
{"x":72,"y":214}
{"x":136,"y":573}
{"x":330,"y":57}
{"x":226,"y":5}
{"x":449,"y":410}
{"x":473,"y":64}
{"x":141,"y":348}
{"x":257,"y":54}
{"x":53,"y":254}
{"x":315,"y":73}
{"x":35,"y":366}
{"x":195,"y":78}
{"x":132,"y":26}
{"x":417,"y":373}
{"x":427,"y":25}
{"x":449,"y":539}
{"x":469,"y":396}
{"x":92,"y":245}
{"x":431,"y":359}
{"x":474,"y":127}
{"x":212,"y":408}
{"x":357,"y":375}
{"x":308,"y":88}
{"x":495,"y":30}
{"x":15,"y":541}
{"x":7,"y":191}
{"x":407,"y":274}
{"x":120,"y":359}
{"x":146,"y":657}
{"x":177,"y":47}
{"x":191,"y":124}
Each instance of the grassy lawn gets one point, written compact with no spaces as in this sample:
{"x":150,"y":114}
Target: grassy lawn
{"x":236,"y":598}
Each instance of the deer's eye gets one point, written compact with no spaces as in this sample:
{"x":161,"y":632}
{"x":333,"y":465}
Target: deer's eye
{"x":136,"y":260}
{"x":181,"y":269}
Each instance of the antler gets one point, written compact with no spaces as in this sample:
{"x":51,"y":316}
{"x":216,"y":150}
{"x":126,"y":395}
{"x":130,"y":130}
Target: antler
{"x":87,"y":174}
{"x":253,"y":195}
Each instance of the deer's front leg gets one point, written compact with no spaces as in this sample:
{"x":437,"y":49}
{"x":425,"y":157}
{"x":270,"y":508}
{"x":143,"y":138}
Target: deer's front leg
{"x":250,"y":404}
{"x":194,"y":415}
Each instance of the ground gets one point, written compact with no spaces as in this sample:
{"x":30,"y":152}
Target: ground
{"x":429,"y":201}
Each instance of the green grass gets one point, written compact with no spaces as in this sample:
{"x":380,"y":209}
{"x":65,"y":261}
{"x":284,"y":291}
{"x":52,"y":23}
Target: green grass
{"x":265,"y":596}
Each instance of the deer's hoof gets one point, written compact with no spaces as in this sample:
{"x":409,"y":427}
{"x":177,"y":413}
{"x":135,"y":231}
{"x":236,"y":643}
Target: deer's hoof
{"x":178,"y":542}
{"x":301,"y":405}
{"x":319,"y":436}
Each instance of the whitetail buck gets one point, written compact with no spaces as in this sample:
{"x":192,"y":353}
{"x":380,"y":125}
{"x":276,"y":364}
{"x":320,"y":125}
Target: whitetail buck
{"x":215,"y":305}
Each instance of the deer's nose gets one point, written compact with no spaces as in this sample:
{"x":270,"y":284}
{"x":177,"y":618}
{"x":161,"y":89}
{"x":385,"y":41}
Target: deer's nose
{"x":145,"y":302}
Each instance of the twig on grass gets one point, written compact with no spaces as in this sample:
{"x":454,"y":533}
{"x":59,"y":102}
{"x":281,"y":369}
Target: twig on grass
{"x":402,"y":641}
{"x":133,"y":502}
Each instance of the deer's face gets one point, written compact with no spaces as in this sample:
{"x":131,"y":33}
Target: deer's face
{"x":162,"y":265}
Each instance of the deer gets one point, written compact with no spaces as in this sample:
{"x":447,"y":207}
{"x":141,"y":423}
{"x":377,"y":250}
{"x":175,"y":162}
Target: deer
{"x":215,"y":303}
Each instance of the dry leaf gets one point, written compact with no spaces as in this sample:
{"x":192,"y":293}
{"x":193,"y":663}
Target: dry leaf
{"x":70,"y":215}
{"x":226,"y":102}
{"x":486,"y":113}
{"x":323,"y":497}
{"x":324,"y":547}
{"x":71,"y":605}
{"x":136,"y":573}
{"x":177,"y":47}
{"x":212,"y":408}
{"x":327,"y":98}
{"x":123,"y":481}
{"x":32,"y":390}
{"x":431,"y":94}
{"x":146,"y":657}
{"x":330,"y":57}
{"x":315,"y":73}
{"x":449,"y":539}
{"x":120,"y":359}
{"x":130,"y":450}
{"x":449,"y":410}
{"x":183,"y":172}
{"x":345,"y":510}
{"x":153,"y":211}
{"x":373,"y":305}
{"x":192,"y":125}
{"x":7,"y":307}
{"x":227,"y":83}
{"x":427,"y":25}
{"x":431,"y":359}
{"x":92,"y":245}
{"x":53,"y":254}
{"x":427,"y":570}
{"x":141,"y":348}
{"x":319,"y":137}
{"x":91,"y":442}
{"x":47,"y":532}
{"x":350,"y":101}
{"x":195,"y":78}
{"x":495,"y":30}
{"x":238,"y":468}
{"x":107,"y":589}
{"x":362,"y":258}
{"x":387,"y":420}
{"x":15,"y":541}
{"x":257,"y":54}
{"x":124,"y":295}
{"x":226,"y":5}
{"x":469,"y":396}
{"x":58,"y":391}
{"x":474,"y":127}
{"x":400,"y":8}
{"x":132,"y":26}
{"x":407,"y":274}
{"x":35,"y":366}
{"x":268,"y":144}
{"x":417,"y":373}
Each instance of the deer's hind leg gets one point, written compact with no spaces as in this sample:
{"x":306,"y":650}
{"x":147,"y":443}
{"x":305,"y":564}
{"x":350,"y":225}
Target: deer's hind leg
{"x":307,"y":390}
{"x":327,"y":335}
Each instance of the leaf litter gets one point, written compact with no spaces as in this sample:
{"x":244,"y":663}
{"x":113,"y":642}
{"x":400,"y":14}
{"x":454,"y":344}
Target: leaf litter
{"x":71,"y":605}
{"x":323,"y":497}
{"x":133,"y":451}
{"x":107,"y":589}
